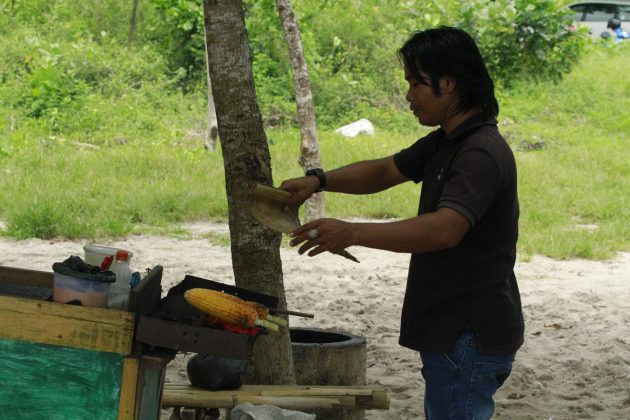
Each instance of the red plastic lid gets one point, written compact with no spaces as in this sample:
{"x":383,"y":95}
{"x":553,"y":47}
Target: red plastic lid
{"x":122,"y":255}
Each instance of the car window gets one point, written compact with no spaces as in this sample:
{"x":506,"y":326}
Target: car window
{"x":599,"y":12}
{"x":579,"y":10}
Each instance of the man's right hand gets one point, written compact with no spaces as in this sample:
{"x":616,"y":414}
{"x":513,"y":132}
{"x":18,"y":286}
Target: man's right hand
{"x":301,"y":189}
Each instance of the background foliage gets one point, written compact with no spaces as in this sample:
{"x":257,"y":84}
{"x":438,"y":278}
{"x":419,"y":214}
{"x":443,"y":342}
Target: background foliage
{"x":62,"y":58}
{"x":98,"y":139}
{"x":352,"y":61}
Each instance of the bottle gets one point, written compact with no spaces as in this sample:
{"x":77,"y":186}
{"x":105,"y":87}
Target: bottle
{"x":119,"y":290}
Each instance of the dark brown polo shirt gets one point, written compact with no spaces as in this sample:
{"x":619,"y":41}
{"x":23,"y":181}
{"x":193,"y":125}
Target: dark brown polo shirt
{"x":473,"y":171}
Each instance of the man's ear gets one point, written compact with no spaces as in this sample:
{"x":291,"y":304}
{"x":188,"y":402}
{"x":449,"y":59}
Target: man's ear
{"x":447,"y":84}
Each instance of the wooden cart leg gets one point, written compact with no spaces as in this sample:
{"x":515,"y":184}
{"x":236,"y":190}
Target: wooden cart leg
{"x":150,"y":385}
{"x":127,"y":402}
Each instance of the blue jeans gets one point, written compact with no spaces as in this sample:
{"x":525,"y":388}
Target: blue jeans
{"x":460,"y":384}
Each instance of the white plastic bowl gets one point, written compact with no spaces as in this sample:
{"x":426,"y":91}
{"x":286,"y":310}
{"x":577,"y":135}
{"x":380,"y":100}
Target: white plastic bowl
{"x":94,"y":254}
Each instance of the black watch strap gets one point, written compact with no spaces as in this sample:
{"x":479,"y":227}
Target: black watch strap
{"x":319,"y":173}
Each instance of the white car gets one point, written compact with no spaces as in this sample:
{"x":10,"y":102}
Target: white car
{"x":595,"y":14}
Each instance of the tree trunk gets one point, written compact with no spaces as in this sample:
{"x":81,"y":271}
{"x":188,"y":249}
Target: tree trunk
{"x":309,"y":148}
{"x":134,"y":17}
{"x":212,"y":132}
{"x":255,"y":249}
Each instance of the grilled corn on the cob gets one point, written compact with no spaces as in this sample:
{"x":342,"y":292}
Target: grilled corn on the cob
{"x":227,"y":308}
{"x":261,"y":310}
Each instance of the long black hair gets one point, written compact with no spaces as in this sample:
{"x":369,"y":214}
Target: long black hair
{"x":451,"y":52}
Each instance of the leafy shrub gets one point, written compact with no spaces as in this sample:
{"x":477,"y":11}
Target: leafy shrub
{"x":523,"y":39}
{"x":177,"y":28}
{"x":57,"y":55}
{"x":63,"y":19}
{"x":84,"y":88}
{"x":352,"y":62}
{"x":42,"y":86}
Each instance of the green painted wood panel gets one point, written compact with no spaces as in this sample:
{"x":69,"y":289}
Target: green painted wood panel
{"x":40,"y":381}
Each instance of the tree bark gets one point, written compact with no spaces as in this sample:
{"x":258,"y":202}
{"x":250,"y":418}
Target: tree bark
{"x":212,"y":132}
{"x":309,"y":148}
{"x":255,"y":249}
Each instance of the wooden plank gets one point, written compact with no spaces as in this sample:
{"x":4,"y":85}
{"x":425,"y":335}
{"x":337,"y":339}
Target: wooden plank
{"x":379,"y":400}
{"x":66,"y":325}
{"x":318,"y":391}
{"x":326,"y":390}
{"x":285,"y":396}
{"x":40,"y":381}
{"x":127,"y":402}
{"x":25,"y":277}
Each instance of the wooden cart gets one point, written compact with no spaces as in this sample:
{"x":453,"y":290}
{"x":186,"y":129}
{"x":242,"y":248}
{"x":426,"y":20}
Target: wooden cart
{"x":61,"y":361}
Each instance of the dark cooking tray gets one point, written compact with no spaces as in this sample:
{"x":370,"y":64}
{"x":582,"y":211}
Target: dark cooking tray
{"x":175,"y":324}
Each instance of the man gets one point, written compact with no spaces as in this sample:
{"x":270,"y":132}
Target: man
{"x":462,"y":308}
{"x":614,"y":24}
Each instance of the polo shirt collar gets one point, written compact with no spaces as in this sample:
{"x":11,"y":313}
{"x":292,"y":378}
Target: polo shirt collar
{"x":475,"y":121}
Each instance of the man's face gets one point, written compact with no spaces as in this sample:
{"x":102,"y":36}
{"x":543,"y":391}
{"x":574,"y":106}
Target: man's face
{"x":430,"y":109}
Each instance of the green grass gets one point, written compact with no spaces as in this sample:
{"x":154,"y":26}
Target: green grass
{"x":574,"y":192}
{"x":110,"y":191}
{"x":152,"y":175}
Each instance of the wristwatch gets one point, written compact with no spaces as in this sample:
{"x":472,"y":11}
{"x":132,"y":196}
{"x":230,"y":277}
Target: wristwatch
{"x":319,"y":173}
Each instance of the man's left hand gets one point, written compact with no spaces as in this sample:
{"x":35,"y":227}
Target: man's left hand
{"x":323,"y":235}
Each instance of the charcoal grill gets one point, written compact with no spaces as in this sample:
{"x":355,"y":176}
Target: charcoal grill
{"x":175,"y":324}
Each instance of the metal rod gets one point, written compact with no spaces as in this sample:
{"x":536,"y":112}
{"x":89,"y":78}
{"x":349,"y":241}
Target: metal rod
{"x":283,"y":311}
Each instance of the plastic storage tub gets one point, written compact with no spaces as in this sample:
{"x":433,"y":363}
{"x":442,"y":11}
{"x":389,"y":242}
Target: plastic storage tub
{"x":88,"y":292}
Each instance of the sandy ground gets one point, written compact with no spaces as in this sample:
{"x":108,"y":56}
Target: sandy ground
{"x":575,"y":363}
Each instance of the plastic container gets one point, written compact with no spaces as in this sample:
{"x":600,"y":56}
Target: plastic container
{"x":94,"y":254}
{"x":88,"y":292}
{"x":119,"y":294}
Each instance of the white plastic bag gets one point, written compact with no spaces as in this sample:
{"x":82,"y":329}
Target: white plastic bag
{"x":249,"y":411}
{"x":363,"y":126}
